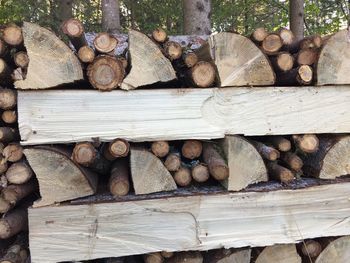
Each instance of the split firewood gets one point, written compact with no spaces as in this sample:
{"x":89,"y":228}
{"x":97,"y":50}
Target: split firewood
{"x":85,"y":154}
{"x":8,"y":99}
{"x":13,"y":152}
{"x":279,"y":253}
{"x":21,"y":59}
{"x":13,"y":222}
{"x":239,"y":152}
{"x":8,"y":134}
{"x":74,"y":29}
{"x":18,"y":74}
{"x":292,"y":161}
{"x":166,"y":254}
{"x":86,"y":54}
{"x":119,"y":180}
{"x":192,"y":149}
{"x":116,"y":149}
{"x":173,"y":50}
{"x":190,"y":59}
{"x":267,"y":152}
{"x":44,"y":48}
{"x":271,"y":44}
{"x":336,"y":251}
{"x":48,"y":164}
{"x":302,"y":75}
{"x":183,"y":176}
{"x":308,"y":143}
{"x":280,"y":143}
{"x":105,"y":43}
{"x":310,"y":248}
{"x":12,"y":35}
{"x":259,"y":34}
{"x":229,"y":256}
{"x":159,"y":35}
{"x":216,"y":163}
{"x":280,"y":173}
{"x":15,"y":254}
{"x":148,"y":64}
{"x":200,"y":172}
{"x":173,"y":162}
{"x":203,"y":74}
{"x":286,"y":36}
{"x":9,"y":116}
{"x":160,"y":148}
{"x":148,"y":173}
{"x":238,"y":60}
{"x":311,"y":42}
{"x":330,"y":160}
{"x":186,"y":257}
{"x":153,"y":258}
{"x":105,"y":73}
{"x":307,"y":56}
{"x":283,"y":62}
{"x":19,"y":173}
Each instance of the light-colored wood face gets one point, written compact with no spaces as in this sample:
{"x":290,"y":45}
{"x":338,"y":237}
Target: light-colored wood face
{"x":12,"y":35}
{"x":105,"y":43}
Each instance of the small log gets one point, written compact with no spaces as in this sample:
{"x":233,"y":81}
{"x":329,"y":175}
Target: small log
{"x":308,"y":143}
{"x":283,"y":62}
{"x":192,"y":149}
{"x":267,"y":152}
{"x":239,"y":152}
{"x":311,"y":248}
{"x":183,"y":176}
{"x":203,"y":74}
{"x":153,"y":258}
{"x":59,"y":178}
{"x":160,"y":148}
{"x":5,"y":205}
{"x":74,"y":29}
{"x":186,"y":257}
{"x":331,"y":160}
{"x":16,"y":192}
{"x":271,"y":44}
{"x":13,"y":152}
{"x":148,"y":64}
{"x":280,"y":143}
{"x":286,"y":36}
{"x":44,"y":48}
{"x":119,"y":180}
{"x":200,"y":172}
{"x":259,"y":34}
{"x":9,"y":116}
{"x":293,"y":161}
{"x":336,"y":251}
{"x":12,"y":35}
{"x":166,"y":254}
{"x":302,"y":75}
{"x":216,"y":163}
{"x":173,"y":50}
{"x":105,"y":73}
{"x":13,"y":255}
{"x":85,"y":154}
{"x":8,"y":99}
{"x":159,"y":35}
{"x":105,"y":43}
{"x":311,"y":42}
{"x":116,"y":149}
{"x":13,"y":222}
{"x":86,"y":54}
{"x":190,"y":59}
{"x":8,"y":134}
{"x":19,"y":173}
{"x":280,"y":173}
{"x":307,"y":56}
{"x":148,"y":173}
{"x":21,"y":59}
{"x":279,"y":253}
{"x":229,"y":256}
{"x":173,"y":162}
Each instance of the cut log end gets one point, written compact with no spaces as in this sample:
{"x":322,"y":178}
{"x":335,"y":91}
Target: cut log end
{"x":305,"y":74}
{"x":86,"y":54}
{"x":183,"y":177}
{"x":285,"y":61}
{"x":307,"y":143}
{"x":216,"y":164}
{"x":84,"y":153}
{"x":159,"y":35}
{"x":259,"y":34}
{"x":279,"y":253}
{"x":160,"y":148}
{"x":203,"y":74}
{"x":200,"y":173}
{"x":19,"y":173}
{"x":153,"y":258}
{"x":13,"y":152}
{"x":9,"y":116}
{"x":190,"y":59}
{"x":105,"y":43}
{"x":8,"y":99}
{"x":73,"y":28}
{"x":293,"y":161}
{"x":13,"y":222}
{"x":21,"y":59}
{"x":192,"y":149}
{"x":307,"y":57}
{"x":119,"y":180}
{"x":12,"y":35}
{"x":336,"y":251}
{"x":173,"y":50}
{"x":173,"y":162}
{"x":117,"y":148}
{"x":272,"y":44}
{"x":287,"y":36}
{"x":311,"y":248}
{"x":280,"y":173}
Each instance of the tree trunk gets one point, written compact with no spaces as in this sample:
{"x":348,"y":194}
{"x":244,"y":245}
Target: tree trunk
{"x":64,"y":10}
{"x":110,"y":16}
{"x":296,"y":18}
{"x":197,"y":17}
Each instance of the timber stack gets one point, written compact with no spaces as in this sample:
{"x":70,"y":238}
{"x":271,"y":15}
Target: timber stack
{"x":162,"y":167}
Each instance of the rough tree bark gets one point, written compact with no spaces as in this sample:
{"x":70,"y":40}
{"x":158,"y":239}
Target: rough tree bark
{"x":197,"y":17}
{"x":64,"y":10}
{"x":110,"y":16}
{"x":296,"y":18}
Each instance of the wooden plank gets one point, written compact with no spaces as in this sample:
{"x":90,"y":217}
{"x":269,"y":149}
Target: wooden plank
{"x":61,"y":116}
{"x":200,"y":222}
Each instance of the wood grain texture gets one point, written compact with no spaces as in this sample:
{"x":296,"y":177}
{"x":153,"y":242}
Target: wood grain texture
{"x":52,"y":62}
{"x":199,"y":222}
{"x":176,"y":114}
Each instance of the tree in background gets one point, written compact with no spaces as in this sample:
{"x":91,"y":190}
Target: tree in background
{"x":110,"y":16}
{"x":296,"y":18}
{"x":196,"y":17}
{"x":62,"y":9}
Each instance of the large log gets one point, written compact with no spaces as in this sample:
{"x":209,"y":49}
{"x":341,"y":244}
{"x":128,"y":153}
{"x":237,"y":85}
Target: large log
{"x":245,"y":164}
{"x":59,"y":178}
{"x":238,"y":60}
{"x":197,"y":222}
{"x":45,"y":70}
{"x":338,"y":251}
{"x":185,"y":113}
{"x":148,"y":64}
{"x":333,"y":68}
{"x":279,"y":254}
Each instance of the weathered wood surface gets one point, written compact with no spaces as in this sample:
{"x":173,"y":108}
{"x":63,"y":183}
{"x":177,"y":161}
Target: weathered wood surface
{"x":173,"y":114}
{"x":198,"y":222}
